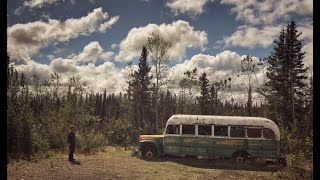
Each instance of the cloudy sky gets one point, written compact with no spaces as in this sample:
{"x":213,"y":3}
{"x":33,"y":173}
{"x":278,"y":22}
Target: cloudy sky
{"x":95,"y":38}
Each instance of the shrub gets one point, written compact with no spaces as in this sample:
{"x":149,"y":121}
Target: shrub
{"x":119,"y":131}
{"x":87,"y":141}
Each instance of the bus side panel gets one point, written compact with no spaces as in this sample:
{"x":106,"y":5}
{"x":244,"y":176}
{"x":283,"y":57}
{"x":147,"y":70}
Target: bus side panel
{"x":255,"y":147}
{"x":194,"y":146}
{"x":269,"y":148}
{"x":171,"y":145}
{"x":226,"y":147}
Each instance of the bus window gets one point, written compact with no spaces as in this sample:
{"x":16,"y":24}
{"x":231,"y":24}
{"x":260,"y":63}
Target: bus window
{"x":188,"y":129}
{"x":237,"y":131}
{"x":254,"y":133}
{"x":204,"y":130}
{"x":173,"y":129}
{"x":268,"y":134}
{"x":221,"y":131}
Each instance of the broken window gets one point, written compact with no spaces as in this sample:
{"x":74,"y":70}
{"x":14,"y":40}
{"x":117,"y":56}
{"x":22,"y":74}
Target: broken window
{"x":237,"y":131}
{"x":221,"y":131}
{"x":204,"y":130}
{"x":268,"y":134}
{"x":188,"y":129}
{"x":254,"y":132}
{"x":173,"y":129}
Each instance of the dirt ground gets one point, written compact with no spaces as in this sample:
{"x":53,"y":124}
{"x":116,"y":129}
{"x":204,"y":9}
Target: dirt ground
{"x":118,"y":163}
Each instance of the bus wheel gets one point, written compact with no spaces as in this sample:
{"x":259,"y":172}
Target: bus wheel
{"x":240,"y":156}
{"x":149,"y":152}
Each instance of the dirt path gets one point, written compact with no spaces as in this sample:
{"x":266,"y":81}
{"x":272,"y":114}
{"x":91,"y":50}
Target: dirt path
{"x":119,"y":164}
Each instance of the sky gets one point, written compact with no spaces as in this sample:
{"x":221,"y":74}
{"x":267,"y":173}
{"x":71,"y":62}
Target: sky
{"x":95,"y":39}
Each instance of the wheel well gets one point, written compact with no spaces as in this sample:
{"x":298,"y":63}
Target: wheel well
{"x":148,"y":144}
{"x":240,"y":151}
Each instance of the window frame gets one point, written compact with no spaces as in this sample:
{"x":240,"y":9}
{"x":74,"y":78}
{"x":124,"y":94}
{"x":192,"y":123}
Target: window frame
{"x":197,"y":130}
{"x":256,"y":138}
{"x":274,"y":135}
{"x":242,"y":126}
{"x":213,"y":131}
{"x":181,"y":126}
{"x":165,"y":132}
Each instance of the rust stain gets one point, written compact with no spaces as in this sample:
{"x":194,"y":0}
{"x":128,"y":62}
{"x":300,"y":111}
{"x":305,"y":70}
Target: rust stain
{"x":230,"y":142}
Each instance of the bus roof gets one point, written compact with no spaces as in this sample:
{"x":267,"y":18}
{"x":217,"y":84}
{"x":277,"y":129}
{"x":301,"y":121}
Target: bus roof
{"x":225,"y":120}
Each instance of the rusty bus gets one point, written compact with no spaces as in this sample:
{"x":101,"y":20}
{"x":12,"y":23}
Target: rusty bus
{"x":214,"y":137}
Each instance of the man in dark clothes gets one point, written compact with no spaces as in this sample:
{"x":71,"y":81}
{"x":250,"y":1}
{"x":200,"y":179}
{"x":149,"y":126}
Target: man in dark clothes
{"x":72,"y":142}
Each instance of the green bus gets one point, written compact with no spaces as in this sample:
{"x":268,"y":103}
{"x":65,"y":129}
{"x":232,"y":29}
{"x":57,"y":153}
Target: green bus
{"x":214,"y":137}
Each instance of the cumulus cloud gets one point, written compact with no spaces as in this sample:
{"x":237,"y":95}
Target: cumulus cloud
{"x":179,"y":33}
{"x":307,"y":35}
{"x":39,"y":3}
{"x":186,"y":6}
{"x":219,"y":67}
{"x":226,"y":63}
{"x":247,"y":36}
{"x":251,"y":37}
{"x":268,"y":11}
{"x":103,"y":27}
{"x":91,"y":53}
{"x":25,"y":40}
{"x":97,"y":77}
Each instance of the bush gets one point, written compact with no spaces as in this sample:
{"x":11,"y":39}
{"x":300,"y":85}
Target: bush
{"x":119,"y":131}
{"x":87,"y":141}
{"x":299,"y":156}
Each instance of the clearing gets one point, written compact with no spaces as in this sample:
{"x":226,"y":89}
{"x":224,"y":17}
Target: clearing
{"x":118,"y":163}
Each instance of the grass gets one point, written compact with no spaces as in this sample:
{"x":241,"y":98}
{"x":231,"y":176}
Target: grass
{"x":124,"y":163}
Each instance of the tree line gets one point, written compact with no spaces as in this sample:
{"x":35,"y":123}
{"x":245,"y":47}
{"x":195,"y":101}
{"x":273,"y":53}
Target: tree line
{"x":39,"y":113}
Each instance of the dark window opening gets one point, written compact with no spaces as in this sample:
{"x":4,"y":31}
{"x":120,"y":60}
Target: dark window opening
{"x":268,"y":134}
{"x":173,"y":129}
{"x":188,"y":129}
{"x":254,"y":133}
{"x":237,"y":131}
{"x":204,"y":130}
{"x":221,"y":131}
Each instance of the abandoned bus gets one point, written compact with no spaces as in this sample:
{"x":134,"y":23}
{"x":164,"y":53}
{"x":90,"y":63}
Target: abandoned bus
{"x":213,"y":137}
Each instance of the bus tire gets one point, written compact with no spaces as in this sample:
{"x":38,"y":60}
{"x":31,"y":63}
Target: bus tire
{"x":240,"y":156}
{"x":149,"y":152}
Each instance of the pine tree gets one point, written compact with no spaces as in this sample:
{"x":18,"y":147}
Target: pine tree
{"x":141,"y":86}
{"x":204,"y":99}
{"x":286,"y":78}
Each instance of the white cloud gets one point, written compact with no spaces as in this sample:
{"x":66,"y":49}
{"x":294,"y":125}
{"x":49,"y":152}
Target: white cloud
{"x":186,"y":6}
{"x":104,"y":76}
{"x":307,"y":35}
{"x":179,"y":33}
{"x":114,"y":46}
{"x":251,"y":37}
{"x":25,"y":40}
{"x":106,"y":25}
{"x":268,"y":11}
{"x":219,"y":67}
{"x":39,"y":3}
{"x":91,"y":53}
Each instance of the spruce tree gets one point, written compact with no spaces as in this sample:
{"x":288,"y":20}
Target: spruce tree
{"x":141,"y":86}
{"x":286,"y":78}
{"x":204,"y":98}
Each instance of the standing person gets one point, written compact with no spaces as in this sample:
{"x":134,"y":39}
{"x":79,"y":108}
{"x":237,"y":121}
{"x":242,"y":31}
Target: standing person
{"x":72,"y":142}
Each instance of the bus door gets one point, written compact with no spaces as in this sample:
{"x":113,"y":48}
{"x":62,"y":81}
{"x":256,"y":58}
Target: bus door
{"x":172,"y":140}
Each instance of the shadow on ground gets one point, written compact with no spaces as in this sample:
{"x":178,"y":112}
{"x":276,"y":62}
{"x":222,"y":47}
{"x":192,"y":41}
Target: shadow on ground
{"x":218,"y":164}
{"x":75,"y":163}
